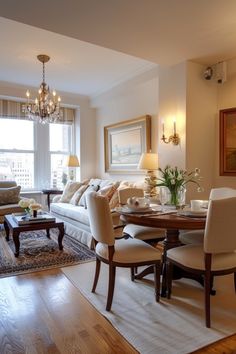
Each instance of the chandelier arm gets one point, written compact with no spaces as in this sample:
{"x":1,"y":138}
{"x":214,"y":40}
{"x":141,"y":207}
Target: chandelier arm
{"x":45,"y":109}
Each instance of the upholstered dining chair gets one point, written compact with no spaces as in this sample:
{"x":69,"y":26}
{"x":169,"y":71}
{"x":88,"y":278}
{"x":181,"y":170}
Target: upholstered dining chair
{"x":138,"y":231}
{"x":197,"y":236}
{"x":117,"y":253}
{"x":217,"y":255}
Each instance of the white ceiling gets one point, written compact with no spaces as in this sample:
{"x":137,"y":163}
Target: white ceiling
{"x":164,"y":32}
{"x":75,"y":66}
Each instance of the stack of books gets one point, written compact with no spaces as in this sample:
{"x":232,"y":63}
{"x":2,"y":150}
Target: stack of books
{"x":27,"y":219}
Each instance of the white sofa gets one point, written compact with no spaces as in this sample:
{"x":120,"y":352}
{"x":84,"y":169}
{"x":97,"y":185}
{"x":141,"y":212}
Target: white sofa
{"x":75,"y":217}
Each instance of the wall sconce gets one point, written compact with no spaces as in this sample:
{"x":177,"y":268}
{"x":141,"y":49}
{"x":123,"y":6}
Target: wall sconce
{"x":174,"y":139}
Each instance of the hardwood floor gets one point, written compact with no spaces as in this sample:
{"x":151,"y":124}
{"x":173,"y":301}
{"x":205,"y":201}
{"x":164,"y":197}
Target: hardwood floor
{"x":223,"y":346}
{"x":43,"y":312}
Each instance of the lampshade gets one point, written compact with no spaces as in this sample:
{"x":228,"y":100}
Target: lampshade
{"x":72,"y":161}
{"x":148,"y":161}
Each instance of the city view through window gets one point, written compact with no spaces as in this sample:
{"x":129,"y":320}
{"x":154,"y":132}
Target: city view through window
{"x":30,"y":164}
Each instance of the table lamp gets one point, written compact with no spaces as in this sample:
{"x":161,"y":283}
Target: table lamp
{"x":149,"y":162}
{"x":72,"y":162}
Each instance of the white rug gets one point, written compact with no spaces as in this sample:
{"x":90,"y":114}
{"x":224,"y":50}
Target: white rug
{"x":172,"y":326}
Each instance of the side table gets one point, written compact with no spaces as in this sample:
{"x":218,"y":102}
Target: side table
{"x":48,"y":192}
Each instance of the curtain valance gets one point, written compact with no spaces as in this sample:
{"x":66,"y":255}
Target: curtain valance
{"x":14,"y":109}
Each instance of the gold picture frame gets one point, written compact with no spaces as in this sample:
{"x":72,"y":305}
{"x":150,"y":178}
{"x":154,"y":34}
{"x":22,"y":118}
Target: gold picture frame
{"x":124,"y":143}
{"x":228,"y":142}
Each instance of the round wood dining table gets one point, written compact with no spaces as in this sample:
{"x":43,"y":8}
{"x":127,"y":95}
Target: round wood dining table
{"x":172,"y":223}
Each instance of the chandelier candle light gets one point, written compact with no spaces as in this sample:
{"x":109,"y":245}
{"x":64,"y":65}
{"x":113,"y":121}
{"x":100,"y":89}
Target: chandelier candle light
{"x":46,"y":108}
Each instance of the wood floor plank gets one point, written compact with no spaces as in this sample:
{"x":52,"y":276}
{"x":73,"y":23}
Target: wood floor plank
{"x":43,"y":312}
{"x":223,"y":346}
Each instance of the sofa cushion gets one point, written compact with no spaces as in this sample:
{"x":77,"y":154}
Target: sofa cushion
{"x":74,"y":212}
{"x":82,"y":201}
{"x":69,"y":191}
{"x":9,"y":195}
{"x":78,"y":194}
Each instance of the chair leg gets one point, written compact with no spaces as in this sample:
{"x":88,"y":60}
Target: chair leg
{"x":207,"y":288}
{"x":132,"y":271}
{"x":235,"y":281}
{"x":112,"y":275}
{"x":97,"y":272}
{"x":169,"y":275}
{"x":157,"y":274}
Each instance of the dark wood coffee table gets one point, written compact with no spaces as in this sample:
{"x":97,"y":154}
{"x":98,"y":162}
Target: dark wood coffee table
{"x":11,"y":225}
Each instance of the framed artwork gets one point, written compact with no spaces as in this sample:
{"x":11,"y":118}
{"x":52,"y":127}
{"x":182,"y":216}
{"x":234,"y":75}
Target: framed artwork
{"x":228,"y":142}
{"x":125,"y":142}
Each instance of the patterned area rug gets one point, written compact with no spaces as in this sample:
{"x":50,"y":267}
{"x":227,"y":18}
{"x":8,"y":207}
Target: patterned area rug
{"x":37,"y":252}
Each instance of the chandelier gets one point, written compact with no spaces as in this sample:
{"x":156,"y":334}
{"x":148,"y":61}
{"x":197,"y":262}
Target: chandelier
{"x":46,"y":107}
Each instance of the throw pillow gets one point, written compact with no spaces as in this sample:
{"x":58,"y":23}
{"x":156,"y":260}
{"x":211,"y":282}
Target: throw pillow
{"x":82,"y":201}
{"x":108,"y":191}
{"x":69,"y":191}
{"x":114,"y":202}
{"x":78,"y":194}
{"x":9,"y":195}
{"x":94,"y":182}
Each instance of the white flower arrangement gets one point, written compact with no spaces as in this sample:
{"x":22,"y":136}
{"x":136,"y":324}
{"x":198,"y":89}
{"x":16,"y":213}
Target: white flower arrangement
{"x":174,"y":179}
{"x":29,"y":205}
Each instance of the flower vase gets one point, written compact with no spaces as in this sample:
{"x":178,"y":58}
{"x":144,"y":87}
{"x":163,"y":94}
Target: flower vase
{"x":174,"y":198}
{"x":177,"y":196}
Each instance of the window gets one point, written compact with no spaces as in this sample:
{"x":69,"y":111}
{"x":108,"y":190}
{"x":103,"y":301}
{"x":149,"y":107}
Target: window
{"x":33,"y":154}
{"x":60,"y":136}
{"x":17,"y":152}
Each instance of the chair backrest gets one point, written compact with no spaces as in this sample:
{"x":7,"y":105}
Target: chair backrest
{"x":220,"y":228}
{"x":221,"y":193}
{"x":7,"y":184}
{"x":100,"y":218}
{"x":126,"y":193}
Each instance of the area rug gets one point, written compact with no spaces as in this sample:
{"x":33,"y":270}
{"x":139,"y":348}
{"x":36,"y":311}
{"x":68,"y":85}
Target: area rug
{"x":37,"y":252}
{"x":174,"y":326}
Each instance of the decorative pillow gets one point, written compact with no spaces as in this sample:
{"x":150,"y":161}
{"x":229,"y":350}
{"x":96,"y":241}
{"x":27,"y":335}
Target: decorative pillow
{"x":114,"y":202}
{"x":82,"y":201}
{"x":69,"y":191}
{"x":108,"y":191}
{"x":10,"y":195}
{"x":78,"y":194}
{"x":94,"y":182}
{"x":107,"y":182}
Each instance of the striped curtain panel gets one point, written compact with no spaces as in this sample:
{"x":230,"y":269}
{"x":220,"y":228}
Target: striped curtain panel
{"x":13,"y":109}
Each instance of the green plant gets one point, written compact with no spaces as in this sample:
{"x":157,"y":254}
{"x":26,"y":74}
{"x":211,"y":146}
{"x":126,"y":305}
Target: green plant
{"x":174,"y":178}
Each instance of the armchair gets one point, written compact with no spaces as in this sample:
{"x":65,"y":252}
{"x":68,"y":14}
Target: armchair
{"x":9,"y":198}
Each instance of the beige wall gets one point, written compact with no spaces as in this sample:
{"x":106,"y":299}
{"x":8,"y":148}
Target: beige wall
{"x":135,"y":98}
{"x":172,"y":103}
{"x":201,"y":113}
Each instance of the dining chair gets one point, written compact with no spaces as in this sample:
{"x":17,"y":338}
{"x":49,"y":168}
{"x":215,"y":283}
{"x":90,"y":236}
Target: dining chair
{"x":138,"y":231}
{"x":128,"y":253}
{"x":217,"y":255}
{"x":197,"y":236}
